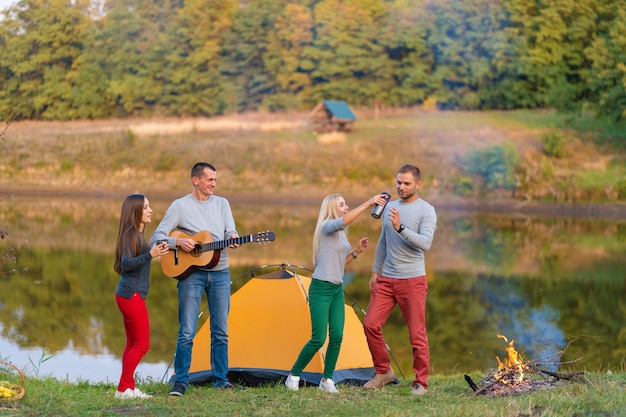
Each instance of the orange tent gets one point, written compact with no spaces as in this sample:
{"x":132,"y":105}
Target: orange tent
{"x":269,"y":323}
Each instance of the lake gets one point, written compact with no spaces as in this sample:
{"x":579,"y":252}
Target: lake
{"x":556,"y":285}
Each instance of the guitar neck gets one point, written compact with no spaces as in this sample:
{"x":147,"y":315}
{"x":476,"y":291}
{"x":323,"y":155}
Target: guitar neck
{"x":221,"y":244}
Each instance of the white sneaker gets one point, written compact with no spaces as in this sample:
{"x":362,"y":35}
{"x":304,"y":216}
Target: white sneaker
{"x":292,"y":382}
{"x":328,"y":386}
{"x":129,"y":394}
{"x":140,"y":394}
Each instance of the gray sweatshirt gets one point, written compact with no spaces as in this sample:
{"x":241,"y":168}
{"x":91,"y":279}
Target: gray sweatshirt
{"x":330,"y":263}
{"x":401,"y":255}
{"x":135,"y":273}
{"x":192,"y":216}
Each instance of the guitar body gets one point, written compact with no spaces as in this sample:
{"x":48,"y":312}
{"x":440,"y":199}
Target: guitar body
{"x":179,"y":264}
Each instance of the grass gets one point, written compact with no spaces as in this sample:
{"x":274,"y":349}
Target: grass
{"x":594,"y":395}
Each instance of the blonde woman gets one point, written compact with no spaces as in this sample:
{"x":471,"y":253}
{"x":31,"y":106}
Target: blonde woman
{"x":331,"y":253}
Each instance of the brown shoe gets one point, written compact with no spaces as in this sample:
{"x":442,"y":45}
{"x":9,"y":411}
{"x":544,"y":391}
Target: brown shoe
{"x":418,"y":389}
{"x":380,"y":380}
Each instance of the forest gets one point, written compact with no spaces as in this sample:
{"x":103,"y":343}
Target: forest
{"x":89,"y":59}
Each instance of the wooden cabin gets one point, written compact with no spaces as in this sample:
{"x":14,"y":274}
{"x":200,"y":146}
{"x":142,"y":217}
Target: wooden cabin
{"x":332,"y":116}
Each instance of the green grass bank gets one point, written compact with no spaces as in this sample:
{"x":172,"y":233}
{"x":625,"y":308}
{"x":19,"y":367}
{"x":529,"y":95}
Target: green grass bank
{"x":593,"y":395}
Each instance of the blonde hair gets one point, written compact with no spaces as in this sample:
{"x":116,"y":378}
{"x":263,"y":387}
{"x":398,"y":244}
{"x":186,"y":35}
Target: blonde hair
{"x":329,"y":210}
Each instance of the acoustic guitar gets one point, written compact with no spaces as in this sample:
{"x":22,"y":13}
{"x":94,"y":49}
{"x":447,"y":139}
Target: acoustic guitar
{"x":179,"y":264}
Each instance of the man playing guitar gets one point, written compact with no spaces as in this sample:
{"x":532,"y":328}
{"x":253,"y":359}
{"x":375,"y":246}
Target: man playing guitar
{"x":201,"y":210}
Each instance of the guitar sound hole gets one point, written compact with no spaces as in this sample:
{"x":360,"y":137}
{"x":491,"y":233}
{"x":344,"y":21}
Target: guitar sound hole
{"x":197,"y":250}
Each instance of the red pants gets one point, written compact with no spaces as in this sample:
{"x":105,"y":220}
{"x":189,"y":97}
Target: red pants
{"x":410,"y":295}
{"x":137,"y":328}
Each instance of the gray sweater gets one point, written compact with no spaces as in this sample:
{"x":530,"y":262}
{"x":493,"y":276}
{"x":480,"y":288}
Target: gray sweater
{"x":401,"y":255}
{"x":135,"y":274}
{"x":330,"y":263}
{"x":192,"y":216}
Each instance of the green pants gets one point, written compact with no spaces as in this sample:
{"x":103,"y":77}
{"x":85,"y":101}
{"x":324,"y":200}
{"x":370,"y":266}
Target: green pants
{"x":328,"y":315}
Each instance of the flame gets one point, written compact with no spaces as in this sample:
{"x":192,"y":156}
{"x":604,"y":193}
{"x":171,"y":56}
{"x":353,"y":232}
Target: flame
{"x":514,"y":360}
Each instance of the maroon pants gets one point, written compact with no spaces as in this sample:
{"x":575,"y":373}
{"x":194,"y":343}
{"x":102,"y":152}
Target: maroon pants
{"x":410,"y":295}
{"x":137,"y":328}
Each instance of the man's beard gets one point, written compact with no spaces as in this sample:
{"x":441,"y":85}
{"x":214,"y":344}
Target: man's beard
{"x":408,"y":195}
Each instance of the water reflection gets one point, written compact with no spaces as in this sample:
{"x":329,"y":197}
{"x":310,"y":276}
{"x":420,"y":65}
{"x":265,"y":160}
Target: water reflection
{"x":553,"y":285}
{"x":69,"y":364}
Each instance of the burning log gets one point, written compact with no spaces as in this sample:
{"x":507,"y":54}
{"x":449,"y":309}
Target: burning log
{"x":506,"y":383}
{"x":558,"y":375}
{"x":514,"y":376}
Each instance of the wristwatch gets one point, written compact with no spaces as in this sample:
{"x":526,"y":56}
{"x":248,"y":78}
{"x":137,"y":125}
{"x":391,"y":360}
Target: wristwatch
{"x":401,"y":228}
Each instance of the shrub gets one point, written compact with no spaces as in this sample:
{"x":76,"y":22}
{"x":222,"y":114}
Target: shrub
{"x":66,"y":165}
{"x":553,"y":143}
{"x":430,"y":104}
{"x":462,"y":186}
{"x":166,"y":162}
{"x":496,"y":165}
{"x":620,"y":189}
{"x":131,"y":138}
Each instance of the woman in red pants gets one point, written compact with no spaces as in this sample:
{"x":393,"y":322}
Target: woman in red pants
{"x":133,"y":256}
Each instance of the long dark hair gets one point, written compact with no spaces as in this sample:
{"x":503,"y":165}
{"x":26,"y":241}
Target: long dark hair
{"x":129,"y":236}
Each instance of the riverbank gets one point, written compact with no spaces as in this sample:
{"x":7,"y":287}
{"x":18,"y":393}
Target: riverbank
{"x":616,"y":210}
{"x":275,"y":158}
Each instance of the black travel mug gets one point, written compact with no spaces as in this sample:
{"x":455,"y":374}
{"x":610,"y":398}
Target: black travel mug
{"x":378,"y":209}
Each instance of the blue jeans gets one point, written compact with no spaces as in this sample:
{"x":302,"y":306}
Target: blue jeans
{"x":216,"y":286}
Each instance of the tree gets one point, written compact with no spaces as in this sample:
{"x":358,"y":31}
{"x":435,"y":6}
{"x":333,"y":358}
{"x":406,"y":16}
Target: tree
{"x":41,"y":43}
{"x":347,"y":61}
{"x":245,"y":47}
{"x":127,"y":46}
{"x":8,"y":256}
{"x":285,"y":60}
{"x":192,"y":58}
{"x":607,"y":75}
{"x":476,"y":63}
{"x":404,"y":35}
{"x":555,"y":34}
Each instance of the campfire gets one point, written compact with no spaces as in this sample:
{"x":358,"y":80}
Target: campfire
{"x":515,"y":376}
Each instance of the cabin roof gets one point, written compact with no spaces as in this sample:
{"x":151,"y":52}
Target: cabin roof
{"x":338,"y":109}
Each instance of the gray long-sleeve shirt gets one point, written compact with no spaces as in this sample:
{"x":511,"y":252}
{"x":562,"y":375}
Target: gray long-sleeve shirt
{"x":135,"y":274}
{"x":330,"y":263}
{"x":401,"y":255}
{"x":192,"y":216}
